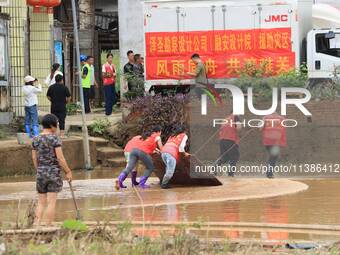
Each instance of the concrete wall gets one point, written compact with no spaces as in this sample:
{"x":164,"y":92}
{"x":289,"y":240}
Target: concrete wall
{"x":130,"y":28}
{"x":17,"y":159}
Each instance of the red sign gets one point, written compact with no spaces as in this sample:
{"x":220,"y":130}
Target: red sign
{"x":224,"y":52}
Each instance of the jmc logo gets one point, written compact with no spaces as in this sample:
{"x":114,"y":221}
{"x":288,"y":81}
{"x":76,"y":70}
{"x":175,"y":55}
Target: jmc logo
{"x":277,"y":18}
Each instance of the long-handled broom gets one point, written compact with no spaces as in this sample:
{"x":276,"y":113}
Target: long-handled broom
{"x":78,"y":217}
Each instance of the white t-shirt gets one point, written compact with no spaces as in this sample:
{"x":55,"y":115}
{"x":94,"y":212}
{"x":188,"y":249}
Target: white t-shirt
{"x":30,"y":93}
{"x":183,"y":143}
{"x":49,"y":81}
{"x":92,"y":75}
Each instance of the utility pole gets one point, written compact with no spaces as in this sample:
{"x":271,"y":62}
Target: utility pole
{"x":87,"y":156}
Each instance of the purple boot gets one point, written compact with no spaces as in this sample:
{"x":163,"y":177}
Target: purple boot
{"x":134,"y":178}
{"x":142,"y":182}
{"x":119,"y":182}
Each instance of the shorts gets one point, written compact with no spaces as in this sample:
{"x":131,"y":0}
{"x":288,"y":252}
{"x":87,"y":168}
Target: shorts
{"x":93,"y":92}
{"x":49,"y":182}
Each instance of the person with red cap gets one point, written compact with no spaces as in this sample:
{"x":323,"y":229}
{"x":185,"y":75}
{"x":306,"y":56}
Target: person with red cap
{"x":171,"y":153}
{"x":229,"y":143}
{"x":141,"y":148}
{"x":273,"y":138}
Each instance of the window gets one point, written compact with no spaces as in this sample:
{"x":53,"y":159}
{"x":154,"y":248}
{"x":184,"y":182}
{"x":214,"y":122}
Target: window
{"x":328,"y":46}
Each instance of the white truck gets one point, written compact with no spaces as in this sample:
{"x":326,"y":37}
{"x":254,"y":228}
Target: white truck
{"x":228,"y":34}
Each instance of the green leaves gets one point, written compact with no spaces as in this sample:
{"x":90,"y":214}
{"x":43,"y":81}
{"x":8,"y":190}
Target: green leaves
{"x":74,"y":225}
{"x":99,"y":127}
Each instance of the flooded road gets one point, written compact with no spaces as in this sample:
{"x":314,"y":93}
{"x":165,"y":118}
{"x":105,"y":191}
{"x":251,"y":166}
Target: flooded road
{"x":319,"y":204}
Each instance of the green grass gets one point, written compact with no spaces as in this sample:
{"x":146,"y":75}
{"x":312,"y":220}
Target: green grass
{"x":76,"y":238}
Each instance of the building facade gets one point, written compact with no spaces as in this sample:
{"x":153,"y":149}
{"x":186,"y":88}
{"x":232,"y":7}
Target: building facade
{"x":28,"y":51}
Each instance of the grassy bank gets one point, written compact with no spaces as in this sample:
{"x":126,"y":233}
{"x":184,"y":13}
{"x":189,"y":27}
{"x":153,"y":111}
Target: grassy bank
{"x":122,"y":240}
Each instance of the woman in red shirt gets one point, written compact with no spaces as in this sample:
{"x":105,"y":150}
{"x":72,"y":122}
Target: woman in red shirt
{"x":141,"y":149}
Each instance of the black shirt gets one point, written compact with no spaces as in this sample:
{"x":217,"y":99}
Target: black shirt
{"x":58,"y":94}
{"x":128,"y":68}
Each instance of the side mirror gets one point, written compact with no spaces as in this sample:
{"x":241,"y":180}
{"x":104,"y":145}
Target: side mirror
{"x":330,"y":35}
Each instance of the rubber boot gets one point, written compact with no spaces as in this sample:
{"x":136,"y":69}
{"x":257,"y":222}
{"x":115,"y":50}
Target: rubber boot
{"x":134,"y":178}
{"x":119,"y":182}
{"x":28,"y":130}
{"x":35,"y":130}
{"x":142,"y":182}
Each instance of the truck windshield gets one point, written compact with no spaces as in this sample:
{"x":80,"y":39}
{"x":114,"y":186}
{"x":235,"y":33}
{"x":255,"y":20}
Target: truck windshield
{"x":328,"y":46}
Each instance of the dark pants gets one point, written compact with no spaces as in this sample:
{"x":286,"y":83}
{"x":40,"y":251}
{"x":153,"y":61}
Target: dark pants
{"x":61,"y":115}
{"x":274,"y":154}
{"x":87,"y":95}
{"x":110,"y":98}
{"x":229,"y":153}
{"x":136,"y":155}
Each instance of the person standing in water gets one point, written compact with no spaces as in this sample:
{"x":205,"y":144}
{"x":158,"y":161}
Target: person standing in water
{"x":48,"y":159}
{"x":273,"y":139}
{"x":229,"y":143}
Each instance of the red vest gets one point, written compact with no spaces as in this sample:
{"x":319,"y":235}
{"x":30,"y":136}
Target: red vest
{"x":228,"y":131}
{"x":133,"y":143}
{"x":149,"y":144}
{"x":172,"y":145}
{"x":111,"y":70}
{"x":273,"y":133}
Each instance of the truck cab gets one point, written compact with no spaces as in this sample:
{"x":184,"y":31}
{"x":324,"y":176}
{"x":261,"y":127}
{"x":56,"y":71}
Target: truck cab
{"x":323,"y":53}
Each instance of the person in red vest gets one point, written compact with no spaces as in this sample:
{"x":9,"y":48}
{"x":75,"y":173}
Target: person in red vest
{"x":109,"y":80}
{"x":171,"y":153}
{"x":273,"y":138}
{"x":127,"y":150}
{"x":141,"y":149}
{"x":229,"y":143}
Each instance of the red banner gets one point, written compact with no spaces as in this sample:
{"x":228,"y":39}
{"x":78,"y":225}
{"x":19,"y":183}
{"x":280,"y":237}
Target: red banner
{"x":224,"y":52}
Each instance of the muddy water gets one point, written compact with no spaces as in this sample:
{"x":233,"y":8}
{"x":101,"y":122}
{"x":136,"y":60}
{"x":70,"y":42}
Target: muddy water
{"x":320,"y":204}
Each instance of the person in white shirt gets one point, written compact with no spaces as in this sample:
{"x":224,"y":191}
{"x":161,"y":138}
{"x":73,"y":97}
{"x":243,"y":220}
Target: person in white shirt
{"x":50,"y":79}
{"x":94,"y":83}
{"x":30,"y":90}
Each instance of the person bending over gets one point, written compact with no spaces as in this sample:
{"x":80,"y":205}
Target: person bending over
{"x":142,"y":149}
{"x":171,"y":153}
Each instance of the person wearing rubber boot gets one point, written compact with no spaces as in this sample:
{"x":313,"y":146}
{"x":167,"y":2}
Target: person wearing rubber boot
{"x":142,"y":149}
{"x":273,"y":139}
{"x":171,"y":153}
{"x":31,"y":91}
{"x":127,"y":150}
{"x":229,"y":143}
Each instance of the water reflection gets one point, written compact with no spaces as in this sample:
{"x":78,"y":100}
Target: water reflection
{"x":318,"y":205}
